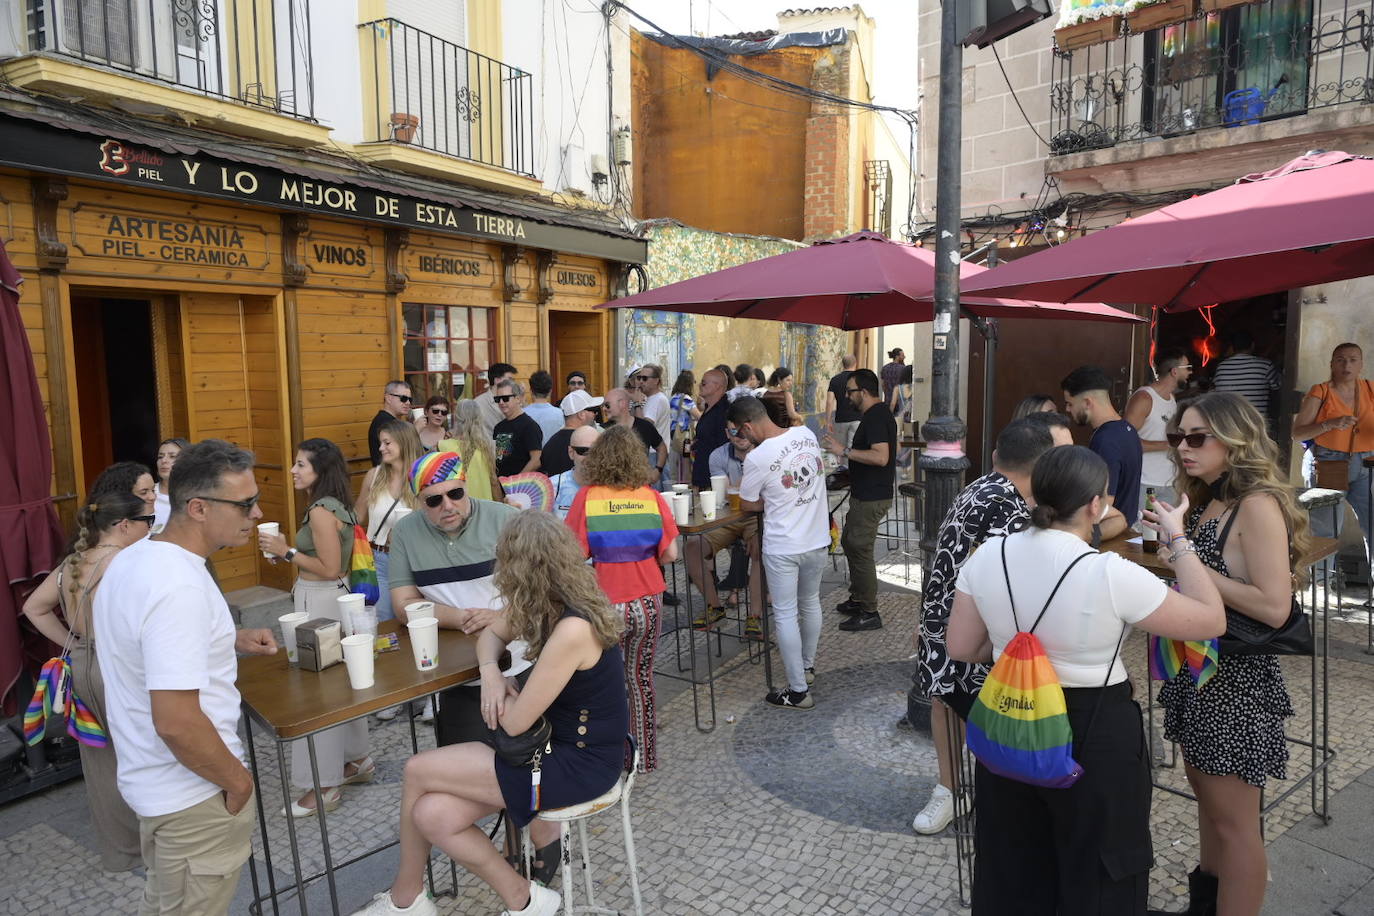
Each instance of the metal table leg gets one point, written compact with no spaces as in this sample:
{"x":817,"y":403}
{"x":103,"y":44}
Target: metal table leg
{"x":324,"y":827}
{"x":256,"y":907}
{"x":291,"y":828}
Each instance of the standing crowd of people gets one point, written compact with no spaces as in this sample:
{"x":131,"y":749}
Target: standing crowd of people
{"x":576,"y":595}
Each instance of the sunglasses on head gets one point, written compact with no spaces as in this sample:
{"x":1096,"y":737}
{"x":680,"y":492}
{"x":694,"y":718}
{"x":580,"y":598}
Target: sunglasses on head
{"x":581,"y":449}
{"x":437,"y":499}
{"x":1194,"y":440}
{"x":502,"y":398}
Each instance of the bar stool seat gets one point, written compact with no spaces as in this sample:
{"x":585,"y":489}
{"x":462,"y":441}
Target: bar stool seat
{"x":618,"y":794}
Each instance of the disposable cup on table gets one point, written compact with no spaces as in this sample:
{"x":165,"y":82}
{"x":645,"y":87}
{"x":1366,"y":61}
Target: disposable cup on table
{"x":365,"y":622}
{"x":424,"y":642}
{"x":719,"y":484}
{"x":682,"y":508}
{"x":272,"y":529}
{"x":732,"y":495}
{"x":349,"y":605}
{"x":682,"y":488}
{"x":288,"y":623}
{"x":419,"y":610}
{"x":708,"y":504}
{"x":357,"y":653}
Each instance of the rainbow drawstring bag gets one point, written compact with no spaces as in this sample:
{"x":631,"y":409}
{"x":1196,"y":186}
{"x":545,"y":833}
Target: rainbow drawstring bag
{"x":54,"y":694}
{"x":362,"y":568}
{"x":1019,"y":727}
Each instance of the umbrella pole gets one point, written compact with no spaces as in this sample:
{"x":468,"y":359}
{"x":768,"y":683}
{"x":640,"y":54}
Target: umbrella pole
{"x":943,"y":462}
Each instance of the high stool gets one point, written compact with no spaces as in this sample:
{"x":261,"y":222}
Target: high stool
{"x":565,"y":817}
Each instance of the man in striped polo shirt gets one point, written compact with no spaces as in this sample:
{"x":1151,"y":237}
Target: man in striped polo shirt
{"x":1252,"y":377}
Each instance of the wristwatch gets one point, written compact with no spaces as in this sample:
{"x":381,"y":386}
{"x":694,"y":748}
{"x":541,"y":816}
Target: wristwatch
{"x":846,"y":451}
{"x":290,"y":554}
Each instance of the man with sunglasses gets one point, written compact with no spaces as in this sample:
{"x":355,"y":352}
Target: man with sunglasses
{"x":567,"y":484}
{"x":486,"y":401}
{"x":1088,"y":402}
{"x":396,"y":402}
{"x":618,"y":413}
{"x":1151,"y":410}
{"x":167,"y":653}
{"x":579,"y":410}
{"x":576,"y":381}
{"x":656,"y":407}
{"x":518,"y":438}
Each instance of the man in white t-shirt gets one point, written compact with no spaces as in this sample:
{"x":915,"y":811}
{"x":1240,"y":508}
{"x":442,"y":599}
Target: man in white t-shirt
{"x":1151,"y":410}
{"x":784,"y":477}
{"x":656,"y":407}
{"x":167,"y":653}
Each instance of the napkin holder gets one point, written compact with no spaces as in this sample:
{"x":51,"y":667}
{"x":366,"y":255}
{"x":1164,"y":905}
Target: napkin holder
{"x":319,"y":643}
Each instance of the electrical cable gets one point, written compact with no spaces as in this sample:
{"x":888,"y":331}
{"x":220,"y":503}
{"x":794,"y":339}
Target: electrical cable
{"x":1014,"y":97}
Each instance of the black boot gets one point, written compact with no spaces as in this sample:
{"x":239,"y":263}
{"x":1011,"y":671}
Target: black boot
{"x":1202,"y":896}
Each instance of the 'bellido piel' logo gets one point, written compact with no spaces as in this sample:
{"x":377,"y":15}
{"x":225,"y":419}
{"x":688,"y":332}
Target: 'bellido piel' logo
{"x":115,"y":157}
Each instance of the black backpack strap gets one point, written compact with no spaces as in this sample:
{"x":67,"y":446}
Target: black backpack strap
{"x":1007,"y":575}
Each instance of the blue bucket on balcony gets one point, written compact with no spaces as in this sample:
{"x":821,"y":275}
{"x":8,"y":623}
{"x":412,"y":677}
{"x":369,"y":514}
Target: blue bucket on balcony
{"x":1244,"y":106}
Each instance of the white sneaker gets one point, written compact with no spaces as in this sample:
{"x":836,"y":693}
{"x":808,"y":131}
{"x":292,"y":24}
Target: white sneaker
{"x":543,"y":902}
{"x":382,"y":905}
{"x":386,"y":715}
{"x":937,"y":813}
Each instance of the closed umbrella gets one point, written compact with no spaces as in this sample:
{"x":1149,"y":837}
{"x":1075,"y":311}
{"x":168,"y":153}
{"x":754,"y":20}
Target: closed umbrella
{"x":860,"y":281}
{"x":1309,"y":221}
{"x":30,"y":535}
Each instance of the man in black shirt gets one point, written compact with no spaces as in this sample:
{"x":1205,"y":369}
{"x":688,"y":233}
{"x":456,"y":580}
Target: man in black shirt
{"x":841,"y":417}
{"x":395,"y":406}
{"x":518,"y":437}
{"x":1088,"y":401}
{"x":872,"y":472}
{"x":579,"y":410}
{"x":710,"y":433}
{"x":618,"y":410}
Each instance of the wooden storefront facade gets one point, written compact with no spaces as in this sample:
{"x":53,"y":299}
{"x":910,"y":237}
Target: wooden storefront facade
{"x":155,"y":311}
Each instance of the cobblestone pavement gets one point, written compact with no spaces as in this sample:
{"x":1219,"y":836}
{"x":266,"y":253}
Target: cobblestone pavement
{"x":773,"y":812}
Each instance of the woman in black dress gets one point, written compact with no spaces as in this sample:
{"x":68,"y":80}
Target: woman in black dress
{"x":1249,"y":531}
{"x":553,"y":602}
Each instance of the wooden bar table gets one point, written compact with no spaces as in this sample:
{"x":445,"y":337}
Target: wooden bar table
{"x":758,"y":647}
{"x":1321,"y":753}
{"x":290,"y":703}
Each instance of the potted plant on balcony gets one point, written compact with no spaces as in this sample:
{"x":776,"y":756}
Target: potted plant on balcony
{"x":404,"y":126}
{"x":1088,"y":22}
{"x":1148,"y":15}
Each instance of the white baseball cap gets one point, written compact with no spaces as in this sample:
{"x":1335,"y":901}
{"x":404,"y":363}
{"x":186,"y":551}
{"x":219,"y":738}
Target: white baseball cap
{"x":579,"y":400}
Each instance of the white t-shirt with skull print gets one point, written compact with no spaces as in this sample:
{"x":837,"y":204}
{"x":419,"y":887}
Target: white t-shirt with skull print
{"x":786,"y":473}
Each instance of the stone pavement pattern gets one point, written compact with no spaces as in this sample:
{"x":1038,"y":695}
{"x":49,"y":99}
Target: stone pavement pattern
{"x":779,"y":812}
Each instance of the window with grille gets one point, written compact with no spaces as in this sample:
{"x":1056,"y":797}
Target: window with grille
{"x":446,"y":348}
{"x":98,"y":30}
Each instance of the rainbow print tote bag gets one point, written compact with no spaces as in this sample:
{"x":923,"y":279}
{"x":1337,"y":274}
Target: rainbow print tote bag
{"x":1019,"y":725}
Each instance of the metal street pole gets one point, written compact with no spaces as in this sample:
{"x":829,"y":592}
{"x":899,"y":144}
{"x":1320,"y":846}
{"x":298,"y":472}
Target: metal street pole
{"x":943,"y":461}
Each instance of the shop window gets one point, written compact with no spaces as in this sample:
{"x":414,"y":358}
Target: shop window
{"x":447,"y":349}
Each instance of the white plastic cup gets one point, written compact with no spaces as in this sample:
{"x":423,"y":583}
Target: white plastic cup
{"x":708,"y":505}
{"x":424,"y":642}
{"x":365,"y":622}
{"x":682,"y":508}
{"x":719,"y":484}
{"x":288,"y":623}
{"x":357,"y":653}
{"x":682,"y":488}
{"x":349,"y":605}
{"x":269,"y":528}
{"x":419,"y":610}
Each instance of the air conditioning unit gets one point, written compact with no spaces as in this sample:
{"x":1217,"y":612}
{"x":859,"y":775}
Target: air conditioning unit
{"x":981,"y":22}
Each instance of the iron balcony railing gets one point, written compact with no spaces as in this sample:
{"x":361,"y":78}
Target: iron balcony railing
{"x":1242,"y":65}
{"x":439,"y":95}
{"x":253,"y":51}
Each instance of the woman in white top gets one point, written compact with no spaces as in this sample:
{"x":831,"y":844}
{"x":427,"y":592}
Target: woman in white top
{"x":167,"y":452}
{"x":385,"y":498}
{"x":1087,"y":846}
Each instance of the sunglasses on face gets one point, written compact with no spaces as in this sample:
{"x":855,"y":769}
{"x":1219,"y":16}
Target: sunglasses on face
{"x":243,"y":505}
{"x":734,"y":433}
{"x":454,"y":495}
{"x":646,"y":378}
{"x":576,"y":383}
{"x":581,"y":449}
{"x":502,"y":398}
{"x":146,"y":519}
{"x":437,"y":412}
{"x":1194,"y":440}
{"x":403,"y":398}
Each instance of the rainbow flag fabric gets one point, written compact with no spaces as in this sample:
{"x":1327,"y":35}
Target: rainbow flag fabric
{"x":1019,"y":727}
{"x":623,"y":526}
{"x":362,"y":568}
{"x":54,"y":694}
{"x":1170,"y":656}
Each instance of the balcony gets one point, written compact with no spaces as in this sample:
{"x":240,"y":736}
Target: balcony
{"x":1242,"y":66}
{"x":422,"y":92}
{"x":252,"y":51}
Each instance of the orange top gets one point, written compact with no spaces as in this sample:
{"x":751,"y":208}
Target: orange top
{"x":1360,"y":437}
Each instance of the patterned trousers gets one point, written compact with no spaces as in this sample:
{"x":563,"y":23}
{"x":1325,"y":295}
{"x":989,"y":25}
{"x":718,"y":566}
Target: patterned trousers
{"x":637,"y":644}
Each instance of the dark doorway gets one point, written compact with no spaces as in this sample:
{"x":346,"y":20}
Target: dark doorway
{"x":116,"y":381}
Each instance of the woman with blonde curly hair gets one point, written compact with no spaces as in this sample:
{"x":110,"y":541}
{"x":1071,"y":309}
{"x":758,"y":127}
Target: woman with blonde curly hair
{"x":1248,"y":530}
{"x":554,"y":604}
{"x":473,"y":444}
{"x":628,"y":531}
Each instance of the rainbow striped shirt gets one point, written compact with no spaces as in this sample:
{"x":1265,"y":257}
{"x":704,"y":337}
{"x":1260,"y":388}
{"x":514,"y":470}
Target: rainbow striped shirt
{"x":623,"y":526}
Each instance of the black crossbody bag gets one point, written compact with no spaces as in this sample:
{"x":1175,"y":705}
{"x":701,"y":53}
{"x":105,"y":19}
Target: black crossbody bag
{"x":1248,"y":636}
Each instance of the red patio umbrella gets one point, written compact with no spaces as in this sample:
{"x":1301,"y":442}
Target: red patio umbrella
{"x":1308,"y":221}
{"x":860,"y":281}
{"x":30,"y":535}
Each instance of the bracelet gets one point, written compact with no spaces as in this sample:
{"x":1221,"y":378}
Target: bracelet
{"x":1187,"y":548}
{"x":484,"y":664}
{"x":1178,"y":537}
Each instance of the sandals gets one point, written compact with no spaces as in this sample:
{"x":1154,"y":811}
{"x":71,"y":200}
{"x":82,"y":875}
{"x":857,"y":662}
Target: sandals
{"x":550,"y":859}
{"x":367,"y":771}
{"x":333,"y":797}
